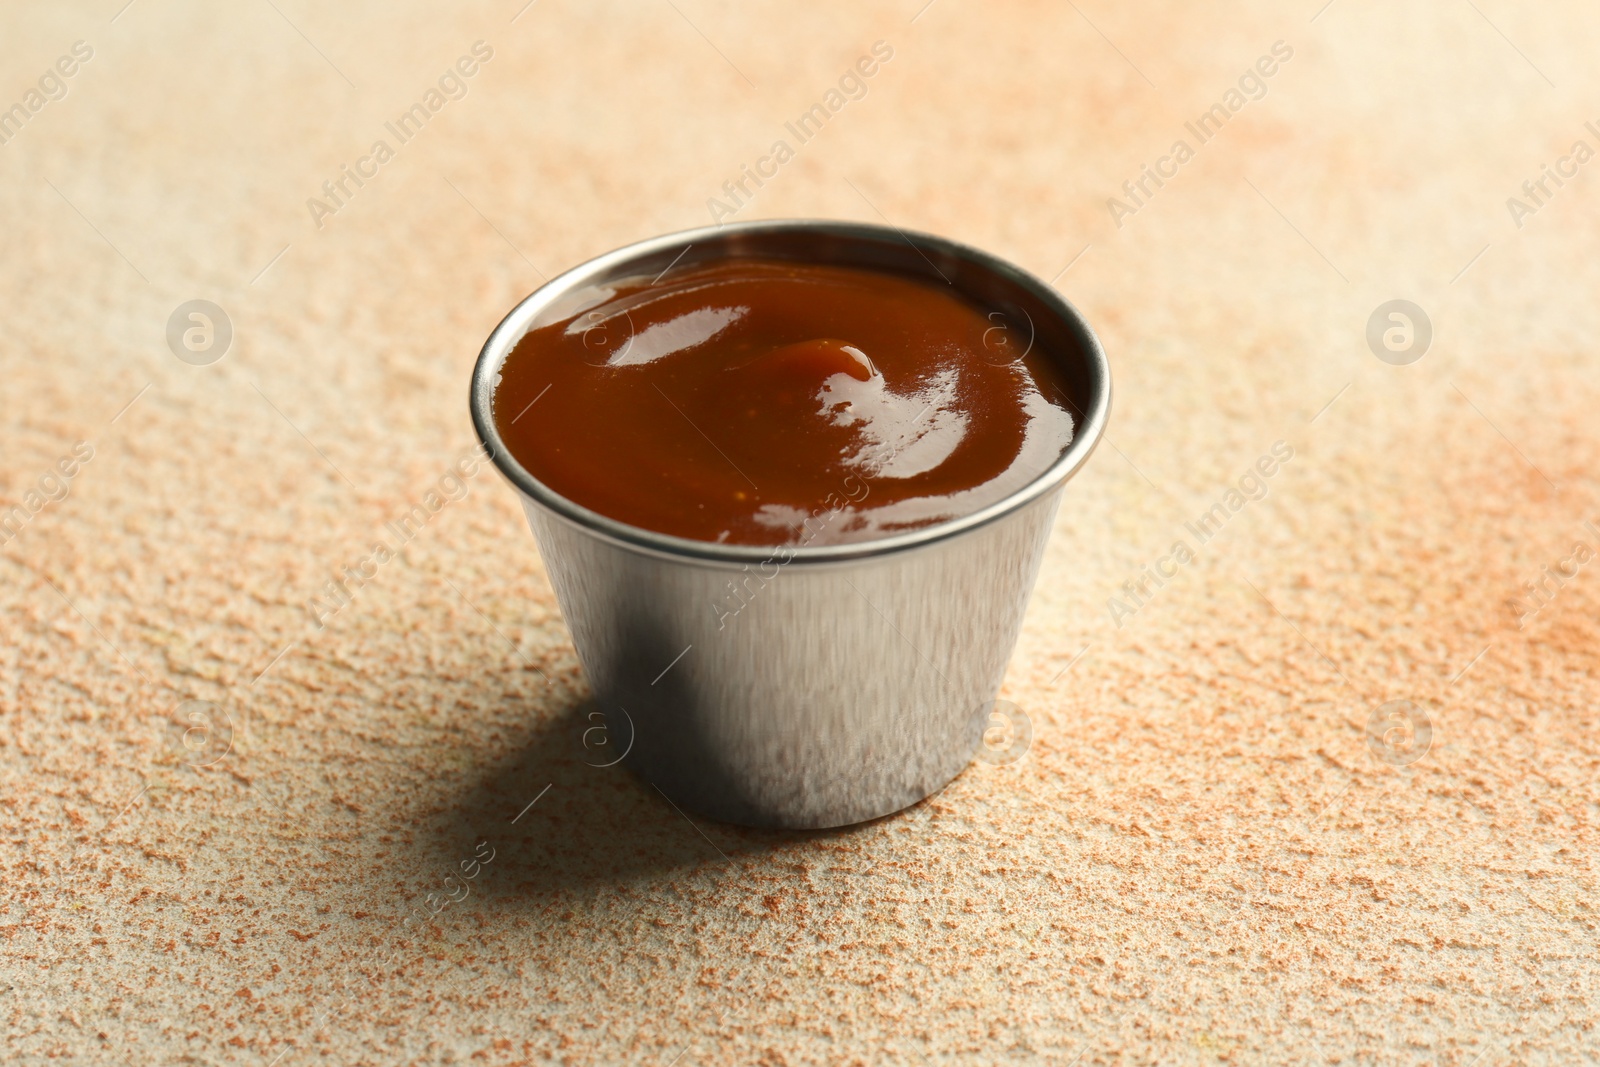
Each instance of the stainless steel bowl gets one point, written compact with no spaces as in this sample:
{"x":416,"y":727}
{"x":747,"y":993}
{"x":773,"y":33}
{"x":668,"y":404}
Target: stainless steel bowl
{"x":856,"y":678}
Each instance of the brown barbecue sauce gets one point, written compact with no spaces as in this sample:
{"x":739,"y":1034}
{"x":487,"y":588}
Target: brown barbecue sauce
{"x":769,"y":402}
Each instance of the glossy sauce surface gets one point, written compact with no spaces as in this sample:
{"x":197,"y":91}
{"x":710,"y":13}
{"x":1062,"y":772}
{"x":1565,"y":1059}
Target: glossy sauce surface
{"x":771,"y":402}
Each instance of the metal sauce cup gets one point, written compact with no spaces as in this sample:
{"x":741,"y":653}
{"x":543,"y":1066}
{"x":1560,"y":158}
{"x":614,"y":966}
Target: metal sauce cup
{"x":853,"y":680}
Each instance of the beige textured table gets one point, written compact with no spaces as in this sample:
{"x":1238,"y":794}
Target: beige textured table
{"x":1205,"y":855}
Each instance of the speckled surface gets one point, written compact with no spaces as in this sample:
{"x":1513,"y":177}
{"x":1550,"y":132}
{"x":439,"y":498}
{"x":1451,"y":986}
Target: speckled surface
{"x":1200,"y":858}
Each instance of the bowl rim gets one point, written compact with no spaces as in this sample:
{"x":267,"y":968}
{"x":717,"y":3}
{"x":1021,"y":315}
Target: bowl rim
{"x":1091,"y":422}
